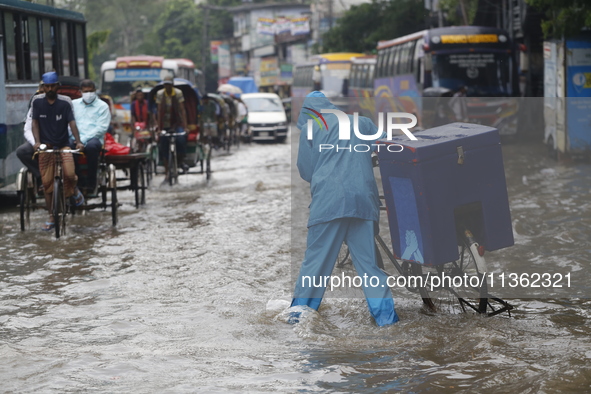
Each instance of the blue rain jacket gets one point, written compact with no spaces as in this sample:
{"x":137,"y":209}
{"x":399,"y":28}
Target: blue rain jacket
{"x":342,"y":183}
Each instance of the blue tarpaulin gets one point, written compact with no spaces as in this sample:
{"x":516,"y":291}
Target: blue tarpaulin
{"x":246,"y":84}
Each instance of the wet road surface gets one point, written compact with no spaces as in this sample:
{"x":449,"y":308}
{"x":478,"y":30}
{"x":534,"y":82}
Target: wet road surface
{"x":188,"y":294}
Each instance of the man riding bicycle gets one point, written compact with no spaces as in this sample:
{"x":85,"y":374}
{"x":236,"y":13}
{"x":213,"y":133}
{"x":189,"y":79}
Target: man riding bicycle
{"x":173,"y":118}
{"x":52,"y":113}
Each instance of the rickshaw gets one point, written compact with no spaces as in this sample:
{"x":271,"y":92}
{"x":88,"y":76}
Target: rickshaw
{"x":232,"y":122}
{"x":106,"y":179}
{"x":215,"y":120}
{"x":198,"y":151}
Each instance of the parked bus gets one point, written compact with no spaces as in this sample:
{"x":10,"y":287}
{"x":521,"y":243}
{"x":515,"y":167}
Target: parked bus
{"x":327,"y":72}
{"x":438,"y":62}
{"x":34,"y":39}
{"x":122,"y":76}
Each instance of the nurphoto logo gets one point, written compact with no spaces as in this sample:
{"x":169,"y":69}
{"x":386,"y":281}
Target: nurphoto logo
{"x":345,"y":129}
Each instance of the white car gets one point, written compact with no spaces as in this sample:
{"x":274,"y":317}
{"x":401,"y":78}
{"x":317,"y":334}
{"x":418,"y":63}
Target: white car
{"x":266,"y":116}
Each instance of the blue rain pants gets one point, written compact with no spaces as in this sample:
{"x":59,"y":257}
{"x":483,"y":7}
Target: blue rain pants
{"x":323,"y":244}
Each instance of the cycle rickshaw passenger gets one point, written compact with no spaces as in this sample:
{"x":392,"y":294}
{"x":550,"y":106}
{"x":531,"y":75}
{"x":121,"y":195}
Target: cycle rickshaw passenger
{"x":93,"y":117}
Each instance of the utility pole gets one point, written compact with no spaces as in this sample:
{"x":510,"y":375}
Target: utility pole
{"x":464,"y":15}
{"x":204,"y":39}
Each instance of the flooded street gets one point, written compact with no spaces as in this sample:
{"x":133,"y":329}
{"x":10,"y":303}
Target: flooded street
{"x":189,"y":292}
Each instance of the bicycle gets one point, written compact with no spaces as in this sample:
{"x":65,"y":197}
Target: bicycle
{"x":173,"y":171}
{"x":436,"y":284}
{"x":60,"y":205}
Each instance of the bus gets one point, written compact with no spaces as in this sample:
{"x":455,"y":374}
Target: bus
{"x":327,"y":72}
{"x":34,"y":39}
{"x":122,"y":76}
{"x":436,"y":63}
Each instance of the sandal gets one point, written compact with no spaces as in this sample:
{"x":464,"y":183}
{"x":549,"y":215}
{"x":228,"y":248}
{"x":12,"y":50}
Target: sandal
{"x":78,"y":198}
{"x":48,"y":226}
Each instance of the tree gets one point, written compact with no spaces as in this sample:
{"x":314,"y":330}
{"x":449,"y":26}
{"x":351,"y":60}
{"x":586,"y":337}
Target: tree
{"x":455,"y":10}
{"x":93,"y":43}
{"x":364,"y":25}
{"x":565,"y":17}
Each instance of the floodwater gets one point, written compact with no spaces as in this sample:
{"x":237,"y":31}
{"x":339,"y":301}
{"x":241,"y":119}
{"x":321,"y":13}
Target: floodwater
{"x":188,"y":294}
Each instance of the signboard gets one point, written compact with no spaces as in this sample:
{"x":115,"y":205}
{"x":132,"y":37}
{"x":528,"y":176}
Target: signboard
{"x":269,"y":69}
{"x":137,"y":74}
{"x":224,"y":61}
{"x":286,"y":73}
{"x":300,"y":26}
{"x":469,"y":38}
{"x":239,"y":64}
{"x":266,"y":26}
{"x":214,"y":45}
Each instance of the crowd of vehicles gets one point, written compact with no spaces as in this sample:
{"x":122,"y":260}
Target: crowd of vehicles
{"x":420,"y":72}
{"x":122,"y":76}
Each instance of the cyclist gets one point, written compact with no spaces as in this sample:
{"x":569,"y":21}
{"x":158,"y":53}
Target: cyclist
{"x":93,"y":117}
{"x":171,"y":117}
{"x":344,"y":208}
{"x":52,"y":113}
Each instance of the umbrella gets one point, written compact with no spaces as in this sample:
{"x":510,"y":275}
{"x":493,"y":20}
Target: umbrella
{"x":229,"y":89}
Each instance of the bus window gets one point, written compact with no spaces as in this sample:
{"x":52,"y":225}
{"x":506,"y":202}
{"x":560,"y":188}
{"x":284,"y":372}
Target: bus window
{"x":79,"y":37}
{"x":363,"y":76}
{"x":418,"y":53}
{"x":64,"y":49}
{"x":47,"y":62}
{"x":369,"y":82}
{"x":411,"y":59}
{"x":9,"y":40}
{"x":34,"y":48}
{"x":380,"y":63}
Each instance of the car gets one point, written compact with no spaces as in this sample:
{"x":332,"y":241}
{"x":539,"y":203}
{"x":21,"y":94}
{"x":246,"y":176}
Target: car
{"x":266,"y":116}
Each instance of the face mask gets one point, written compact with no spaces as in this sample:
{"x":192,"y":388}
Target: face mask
{"x":88,"y":97}
{"x":51,"y":95}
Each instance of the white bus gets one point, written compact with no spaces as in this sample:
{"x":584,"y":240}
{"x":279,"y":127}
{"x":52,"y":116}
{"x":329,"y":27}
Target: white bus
{"x":34,"y":39}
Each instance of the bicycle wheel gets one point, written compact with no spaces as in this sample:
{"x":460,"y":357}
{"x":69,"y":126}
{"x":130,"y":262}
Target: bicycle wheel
{"x":114,"y":202}
{"x":59,"y":208}
{"x":208,"y":150}
{"x":135,"y":184}
{"x":172,"y":164}
{"x":26,"y":196}
{"x":460,"y":286}
{"x":142,"y":184}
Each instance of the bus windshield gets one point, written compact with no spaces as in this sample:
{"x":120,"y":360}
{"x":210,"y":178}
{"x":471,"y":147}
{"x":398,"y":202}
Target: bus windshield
{"x":120,"y":83}
{"x":485,"y":74}
{"x":333,"y":76}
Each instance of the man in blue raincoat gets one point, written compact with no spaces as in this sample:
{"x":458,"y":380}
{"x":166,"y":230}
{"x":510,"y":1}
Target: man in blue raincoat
{"x":344,"y":208}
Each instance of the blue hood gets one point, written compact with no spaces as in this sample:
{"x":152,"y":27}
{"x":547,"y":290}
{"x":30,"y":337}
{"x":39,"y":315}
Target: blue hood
{"x":342,"y":183}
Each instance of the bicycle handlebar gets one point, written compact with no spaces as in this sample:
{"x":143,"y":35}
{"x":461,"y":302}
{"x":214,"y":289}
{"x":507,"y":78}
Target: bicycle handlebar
{"x":169,"y":134}
{"x":75,"y":151}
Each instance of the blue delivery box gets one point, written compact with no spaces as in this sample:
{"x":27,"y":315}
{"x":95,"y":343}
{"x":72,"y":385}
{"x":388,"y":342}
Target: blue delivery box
{"x":449,"y":180}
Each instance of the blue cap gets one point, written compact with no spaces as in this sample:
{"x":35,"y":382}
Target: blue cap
{"x":50,"y":78}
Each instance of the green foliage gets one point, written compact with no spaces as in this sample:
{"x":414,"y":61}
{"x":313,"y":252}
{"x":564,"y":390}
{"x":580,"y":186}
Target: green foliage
{"x":364,"y":25}
{"x":453,"y":11}
{"x":93,"y":44}
{"x":565,"y":18}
